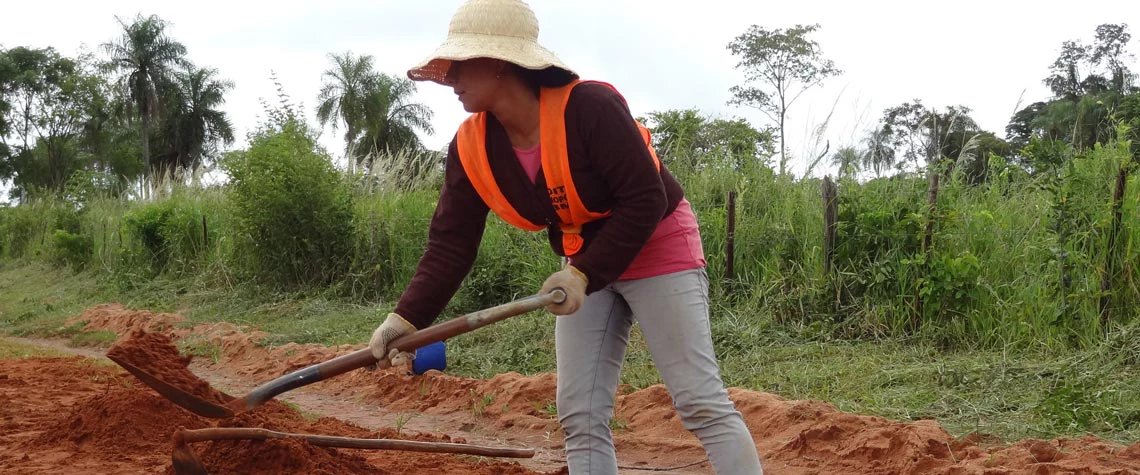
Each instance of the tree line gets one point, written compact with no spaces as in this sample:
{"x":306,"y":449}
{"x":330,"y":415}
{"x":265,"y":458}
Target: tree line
{"x":1094,"y":92}
{"x":139,"y":108}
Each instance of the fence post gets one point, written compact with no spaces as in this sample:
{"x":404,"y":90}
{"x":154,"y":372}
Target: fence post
{"x":730,"y":239}
{"x":205,"y":235}
{"x":1109,"y":255}
{"x":830,"y":215}
{"x":927,"y":243}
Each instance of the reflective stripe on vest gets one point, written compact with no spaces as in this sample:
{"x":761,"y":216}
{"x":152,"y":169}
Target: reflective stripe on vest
{"x":572,"y":213}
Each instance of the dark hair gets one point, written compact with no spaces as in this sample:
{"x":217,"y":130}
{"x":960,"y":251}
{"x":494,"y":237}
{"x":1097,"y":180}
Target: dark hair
{"x":537,"y":79}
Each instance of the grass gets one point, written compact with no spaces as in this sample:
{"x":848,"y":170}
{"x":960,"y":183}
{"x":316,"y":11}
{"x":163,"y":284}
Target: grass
{"x":1010,"y":393}
{"x":200,"y":347}
{"x":402,"y":419}
{"x":11,"y":349}
{"x":1005,"y":344}
{"x":96,"y":339}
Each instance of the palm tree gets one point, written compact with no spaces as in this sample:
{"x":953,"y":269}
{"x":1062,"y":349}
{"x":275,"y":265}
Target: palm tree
{"x":391,"y":119}
{"x":145,"y":57}
{"x":343,"y":97}
{"x":847,"y":159}
{"x":195,"y":124}
{"x":878,"y":155}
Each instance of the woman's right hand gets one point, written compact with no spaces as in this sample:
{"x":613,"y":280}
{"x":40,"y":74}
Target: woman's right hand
{"x":393,"y":327}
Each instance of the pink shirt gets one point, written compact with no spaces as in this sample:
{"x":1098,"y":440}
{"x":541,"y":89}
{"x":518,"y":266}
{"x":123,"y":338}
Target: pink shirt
{"x":675,"y":245}
{"x":531,"y":160}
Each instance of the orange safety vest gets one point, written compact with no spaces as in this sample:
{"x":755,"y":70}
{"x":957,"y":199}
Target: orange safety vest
{"x":571,"y":211}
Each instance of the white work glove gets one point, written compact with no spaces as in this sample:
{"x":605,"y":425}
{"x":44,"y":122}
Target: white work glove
{"x":573,"y":282}
{"x":393,"y":327}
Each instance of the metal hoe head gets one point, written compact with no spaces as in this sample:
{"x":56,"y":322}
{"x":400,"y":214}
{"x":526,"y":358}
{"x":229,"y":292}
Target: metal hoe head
{"x":183,"y":459}
{"x":182,"y":398}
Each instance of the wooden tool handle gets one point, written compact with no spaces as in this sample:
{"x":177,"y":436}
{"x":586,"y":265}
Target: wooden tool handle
{"x":408,"y":343}
{"x":243,"y":433}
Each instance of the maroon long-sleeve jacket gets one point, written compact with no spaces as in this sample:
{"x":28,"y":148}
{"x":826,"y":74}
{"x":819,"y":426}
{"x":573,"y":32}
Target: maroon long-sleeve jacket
{"x":611,"y":169}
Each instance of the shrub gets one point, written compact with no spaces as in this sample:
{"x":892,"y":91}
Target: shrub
{"x":71,"y":249}
{"x":293,"y":211}
{"x":145,"y":226}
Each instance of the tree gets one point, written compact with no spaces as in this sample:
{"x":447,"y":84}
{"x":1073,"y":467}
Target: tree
{"x":391,"y":119}
{"x":145,"y":58}
{"x":1109,"y":51}
{"x":921,"y":134}
{"x":877,"y":154}
{"x":53,"y":94}
{"x":1091,"y":69}
{"x":783,"y":64}
{"x":925,"y":136}
{"x":194,"y":124}
{"x":686,"y":138}
{"x":848,"y":160}
{"x":32,"y":76}
{"x":1088,"y":84}
{"x":1065,"y":78}
{"x":344,"y":98}
{"x":7,"y":85}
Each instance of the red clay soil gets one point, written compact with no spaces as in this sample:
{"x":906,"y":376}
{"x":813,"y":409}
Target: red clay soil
{"x":156,"y":355}
{"x":793,"y":437}
{"x":71,"y":416}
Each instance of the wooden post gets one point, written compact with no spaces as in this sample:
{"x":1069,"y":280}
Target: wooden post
{"x":931,"y":208}
{"x":205,"y":234}
{"x":927,"y":242}
{"x":730,"y":238}
{"x":830,"y":216}
{"x":1110,"y":252}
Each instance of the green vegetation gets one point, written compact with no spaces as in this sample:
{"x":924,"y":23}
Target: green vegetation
{"x":990,"y":284}
{"x":11,"y":349}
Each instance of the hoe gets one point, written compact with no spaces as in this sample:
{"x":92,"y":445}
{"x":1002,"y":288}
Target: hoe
{"x":186,"y":463}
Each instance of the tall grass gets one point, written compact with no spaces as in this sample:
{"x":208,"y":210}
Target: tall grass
{"x":1017,"y":260}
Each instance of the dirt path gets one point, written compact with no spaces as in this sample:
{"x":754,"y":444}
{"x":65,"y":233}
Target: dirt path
{"x":793,"y":437}
{"x":312,"y":400}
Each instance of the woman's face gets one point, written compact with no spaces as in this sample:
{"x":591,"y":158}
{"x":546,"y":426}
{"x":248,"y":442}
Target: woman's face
{"x":475,"y":81}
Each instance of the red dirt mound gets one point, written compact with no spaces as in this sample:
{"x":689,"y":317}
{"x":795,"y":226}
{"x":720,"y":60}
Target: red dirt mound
{"x":113,"y":317}
{"x":99,"y":423}
{"x":156,"y":355}
{"x":68,"y":416}
{"x":274,"y":457}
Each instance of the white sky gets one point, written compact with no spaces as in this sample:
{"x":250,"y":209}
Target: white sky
{"x":988,"y":55}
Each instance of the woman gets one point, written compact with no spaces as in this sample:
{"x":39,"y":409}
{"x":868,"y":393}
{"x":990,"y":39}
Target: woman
{"x":546,"y":151}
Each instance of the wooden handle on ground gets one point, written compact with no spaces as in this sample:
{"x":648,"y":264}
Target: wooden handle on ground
{"x":243,"y":433}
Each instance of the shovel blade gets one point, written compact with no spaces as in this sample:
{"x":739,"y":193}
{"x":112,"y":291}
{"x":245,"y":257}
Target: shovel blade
{"x":185,"y":400}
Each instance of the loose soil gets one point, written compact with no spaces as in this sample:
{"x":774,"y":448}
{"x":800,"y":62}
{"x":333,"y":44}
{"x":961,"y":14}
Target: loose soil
{"x":82,"y":415}
{"x":155,"y":354}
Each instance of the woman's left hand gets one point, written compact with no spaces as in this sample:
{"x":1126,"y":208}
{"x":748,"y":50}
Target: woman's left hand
{"x":573,"y":282}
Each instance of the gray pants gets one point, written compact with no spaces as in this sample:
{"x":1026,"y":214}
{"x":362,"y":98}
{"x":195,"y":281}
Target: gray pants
{"x":672,"y":311}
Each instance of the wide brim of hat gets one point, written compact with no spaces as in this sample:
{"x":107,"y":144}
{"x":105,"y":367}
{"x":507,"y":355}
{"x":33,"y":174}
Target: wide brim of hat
{"x":459,"y":47}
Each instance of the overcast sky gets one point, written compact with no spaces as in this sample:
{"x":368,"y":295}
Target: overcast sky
{"x":987,"y":55}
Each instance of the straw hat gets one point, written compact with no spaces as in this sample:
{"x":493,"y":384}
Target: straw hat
{"x":500,"y":29}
